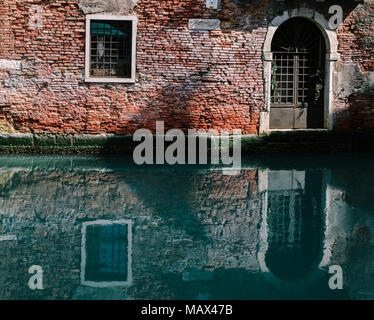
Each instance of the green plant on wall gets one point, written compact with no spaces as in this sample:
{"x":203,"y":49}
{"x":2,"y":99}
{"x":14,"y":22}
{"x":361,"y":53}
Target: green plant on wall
{"x":317,"y":79}
{"x":274,"y":82}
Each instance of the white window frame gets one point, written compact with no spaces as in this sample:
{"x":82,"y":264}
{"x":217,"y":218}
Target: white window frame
{"x":89,"y":78}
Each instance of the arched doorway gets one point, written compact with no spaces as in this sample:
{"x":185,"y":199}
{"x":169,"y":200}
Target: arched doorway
{"x":297,"y":76}
{"x":332,"y":55}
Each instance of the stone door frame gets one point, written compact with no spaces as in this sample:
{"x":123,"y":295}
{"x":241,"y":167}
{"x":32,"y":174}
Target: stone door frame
{"x":332,"y":56}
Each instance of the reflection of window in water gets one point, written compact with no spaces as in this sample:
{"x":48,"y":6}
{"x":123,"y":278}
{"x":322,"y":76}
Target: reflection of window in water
{"x":106,"y":253}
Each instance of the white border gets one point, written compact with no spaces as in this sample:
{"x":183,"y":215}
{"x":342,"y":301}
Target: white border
{"x":103,"y":284}
{"x":134,"y":20}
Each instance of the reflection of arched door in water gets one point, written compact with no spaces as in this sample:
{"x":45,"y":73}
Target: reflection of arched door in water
{"x":297,"y":98}
{"x":295,"y":224}
{"x":292,"y":235}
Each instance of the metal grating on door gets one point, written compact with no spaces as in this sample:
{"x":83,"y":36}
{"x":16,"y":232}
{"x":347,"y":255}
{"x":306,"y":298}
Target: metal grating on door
{"x":297,"y":76}
{"x":285,"y":218}
{"x":291,"y":72}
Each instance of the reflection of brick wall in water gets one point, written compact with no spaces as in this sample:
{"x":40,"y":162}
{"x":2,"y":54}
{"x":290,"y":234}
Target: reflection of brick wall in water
{"x":57,"y":253}
{"x":226,"y":211}
{"x":48,"y":192}
{"x":353,"y":246}
{"x":45,"y":211}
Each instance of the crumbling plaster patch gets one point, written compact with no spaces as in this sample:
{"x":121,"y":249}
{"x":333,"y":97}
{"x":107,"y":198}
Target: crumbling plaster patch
{"x":6,"y":126}
{"x":107,"y":6}
{"x":204,"y":24}
{"x":350,"y":79}
{"x":9,"y":64}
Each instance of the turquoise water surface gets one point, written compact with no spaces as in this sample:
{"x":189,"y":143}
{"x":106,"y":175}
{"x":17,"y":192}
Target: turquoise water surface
{"x":105,"y":228}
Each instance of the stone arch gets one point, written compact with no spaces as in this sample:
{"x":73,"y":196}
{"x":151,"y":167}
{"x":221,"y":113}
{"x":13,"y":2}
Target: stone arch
{"x":332,"y":56}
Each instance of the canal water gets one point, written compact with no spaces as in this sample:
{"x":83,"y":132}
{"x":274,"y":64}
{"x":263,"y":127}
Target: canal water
{"x":284,"y":227}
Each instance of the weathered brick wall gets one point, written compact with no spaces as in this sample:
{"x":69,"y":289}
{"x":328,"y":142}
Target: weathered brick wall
{"x":186,"y":78}
{"x":6,"y":36}
{"x":355,"y":104}
{"x":356,"y":36}
{"x":361,"y":109}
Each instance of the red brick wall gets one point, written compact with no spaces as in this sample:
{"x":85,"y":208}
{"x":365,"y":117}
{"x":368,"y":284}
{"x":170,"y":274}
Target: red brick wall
{"x":187,"y":79}
{"x":6,"y":36}
{"x":361,"y":109}
{"x":355,"y":36}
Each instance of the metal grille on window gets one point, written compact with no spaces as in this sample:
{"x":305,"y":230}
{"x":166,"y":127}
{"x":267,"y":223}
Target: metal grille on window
{"x":111,"y":49}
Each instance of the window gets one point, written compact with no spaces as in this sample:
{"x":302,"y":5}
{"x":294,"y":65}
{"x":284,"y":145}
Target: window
{"x":106,"y":253}
{"x":110,"y":48}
